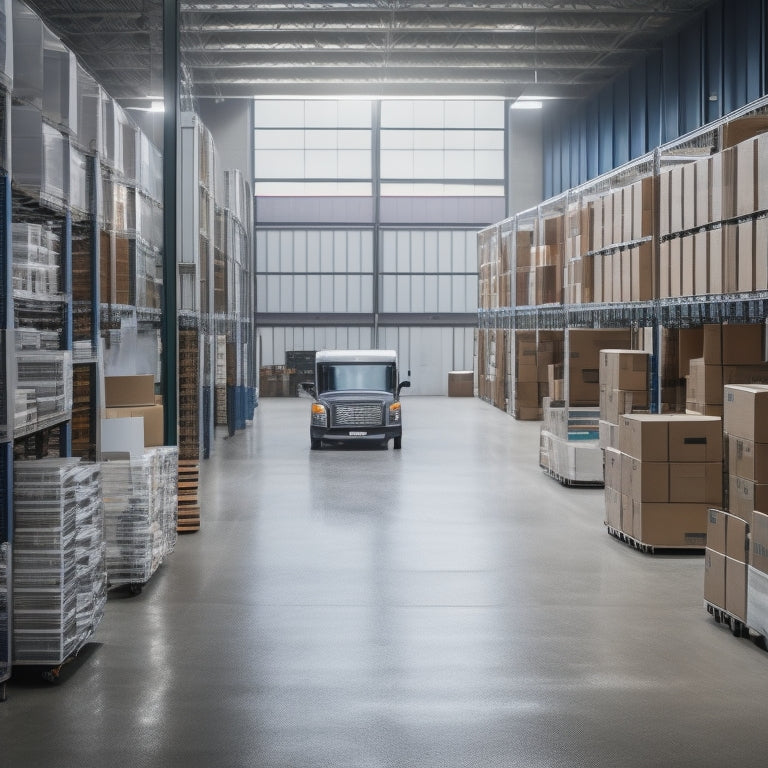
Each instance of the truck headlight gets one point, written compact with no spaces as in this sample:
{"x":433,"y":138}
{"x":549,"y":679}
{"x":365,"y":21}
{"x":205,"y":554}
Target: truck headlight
{"x":394,"y":413}
{"x":319,"y":415}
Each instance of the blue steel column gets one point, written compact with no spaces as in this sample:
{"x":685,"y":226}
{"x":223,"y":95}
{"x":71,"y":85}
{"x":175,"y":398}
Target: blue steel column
{"x":169,"y":322}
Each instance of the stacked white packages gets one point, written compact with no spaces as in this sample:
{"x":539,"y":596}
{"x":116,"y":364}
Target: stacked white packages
{"x":46,"y":582}
{"x":140,"y":510}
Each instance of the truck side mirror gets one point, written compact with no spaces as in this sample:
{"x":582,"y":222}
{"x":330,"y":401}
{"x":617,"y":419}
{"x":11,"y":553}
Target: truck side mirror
{"x":306,"y":389}
{"x":402,"y":385}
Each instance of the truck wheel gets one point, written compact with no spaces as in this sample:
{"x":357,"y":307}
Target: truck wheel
{"x":315,"y":444}
{"x":397,"y":443}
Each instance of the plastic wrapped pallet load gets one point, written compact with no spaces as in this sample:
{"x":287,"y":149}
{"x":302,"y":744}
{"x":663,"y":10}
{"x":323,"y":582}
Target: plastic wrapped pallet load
{"x":52,"y":617}
{"x":140,"y":506}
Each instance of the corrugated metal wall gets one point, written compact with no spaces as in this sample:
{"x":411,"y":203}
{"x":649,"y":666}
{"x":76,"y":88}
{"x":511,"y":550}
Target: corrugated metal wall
{"x":715,"y":65}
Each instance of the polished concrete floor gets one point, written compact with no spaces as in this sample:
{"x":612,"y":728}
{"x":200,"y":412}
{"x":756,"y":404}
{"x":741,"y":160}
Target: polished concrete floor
{"x":443,"y":606}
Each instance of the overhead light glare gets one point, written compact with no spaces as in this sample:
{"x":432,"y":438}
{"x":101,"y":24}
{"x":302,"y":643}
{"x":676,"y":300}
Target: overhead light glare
{"x":157,"y":106}
{"x":528,"y":104}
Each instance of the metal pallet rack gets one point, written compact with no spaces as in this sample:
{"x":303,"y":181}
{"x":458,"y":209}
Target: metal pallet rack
{"x":656,"y":313}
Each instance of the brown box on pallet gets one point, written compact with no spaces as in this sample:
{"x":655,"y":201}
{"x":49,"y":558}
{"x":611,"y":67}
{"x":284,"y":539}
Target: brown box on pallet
{"x":748,"y":459}
{"x":644,"y":436}
{"x":746,"y":496}
{"x":624,"y":369}
{"x":645,"y":480}
{"x":717,"y":522}
{"x":705,"y":382}
{"x":736,"y":588}
{"x":612,"y":508}
{"x":613,"y":459}
{"x":696,"y":482}
{"x":714,"y":577}
{"x":736,"y":537}
{"x":695,"y":438}
{"x":746,"y":412}
{"x":670,"y":525}
{"x":461,"y":383}
{"x":758,"y":551}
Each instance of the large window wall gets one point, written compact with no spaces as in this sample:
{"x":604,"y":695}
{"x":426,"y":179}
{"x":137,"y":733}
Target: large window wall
{"x":366,"y":221}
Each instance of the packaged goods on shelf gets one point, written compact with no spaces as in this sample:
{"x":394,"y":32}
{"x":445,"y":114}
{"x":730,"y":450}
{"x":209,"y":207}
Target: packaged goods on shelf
{"x":140,"y":508}
{"x":36,"y":260}
{"x":48,"y":590}
{"x":49,"y":375}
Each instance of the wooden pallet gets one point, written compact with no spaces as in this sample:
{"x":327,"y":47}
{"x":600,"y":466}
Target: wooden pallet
{"x":189,"y":502}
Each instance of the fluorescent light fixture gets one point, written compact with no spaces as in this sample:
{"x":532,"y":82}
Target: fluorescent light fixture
{"x":528,"y":104}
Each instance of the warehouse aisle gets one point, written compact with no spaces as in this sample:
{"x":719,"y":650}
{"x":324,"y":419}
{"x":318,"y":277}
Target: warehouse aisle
{"x":441,"y":606}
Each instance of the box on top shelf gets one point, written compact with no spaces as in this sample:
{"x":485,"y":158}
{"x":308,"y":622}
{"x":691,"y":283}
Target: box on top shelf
{"x":123,"y":391}
{"x":743,"y":128}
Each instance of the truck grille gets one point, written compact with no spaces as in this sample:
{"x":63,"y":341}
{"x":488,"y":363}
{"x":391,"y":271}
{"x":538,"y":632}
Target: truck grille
{"x":357,"y":415}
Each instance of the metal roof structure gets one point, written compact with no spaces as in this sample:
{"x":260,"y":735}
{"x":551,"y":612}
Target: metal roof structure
{"x":408,"y":48}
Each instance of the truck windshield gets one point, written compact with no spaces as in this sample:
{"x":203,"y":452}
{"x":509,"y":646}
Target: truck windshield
{"x":340,"y":377}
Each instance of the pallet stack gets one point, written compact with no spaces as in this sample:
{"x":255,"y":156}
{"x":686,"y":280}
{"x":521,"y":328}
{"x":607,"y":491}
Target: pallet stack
{"x":189,"y":502}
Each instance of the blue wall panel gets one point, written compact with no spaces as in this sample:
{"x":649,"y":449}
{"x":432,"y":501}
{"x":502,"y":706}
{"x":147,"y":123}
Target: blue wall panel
{"x":714,"y":66}
{"x":638,"y":127}
{"x":691,"y":80}
{"x":621,"y":120}
{"x":605,"y":131}
{"x":713,"y":63}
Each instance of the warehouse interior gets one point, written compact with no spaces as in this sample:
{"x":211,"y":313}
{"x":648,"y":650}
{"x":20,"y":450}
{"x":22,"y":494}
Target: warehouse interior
{"x":555,"y":213}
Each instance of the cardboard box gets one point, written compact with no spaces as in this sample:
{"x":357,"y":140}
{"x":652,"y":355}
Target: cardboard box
{"x":645,"y":480}
{"x":676,"y":267}
{"x":746,"y":167}
{"x":527,"y":393}
{"x":714,"y":578}
{"x":733,"y":344}
{"x":696,"y":482}
{"x":757,"y":600}
{"x":748,"y":459}
{"x":690,"y":344}
{"x":613,"y":508}
{"x":151,"y":416}
{"x":122,"y":391}
{"x":687,"y":245}
{"x":619,"y":402}
{"x":670,"y":525}
{"x":644,"y":437}
{"x":743,"y":128}
{"x":761,"y":262}
{"x":624,"y":369}
{"x":736,"y":539}
{"x":746,"y":412}
{"x":746,"y":496}
{"x":745,"y":272}
{"x":613,"y":469}
{"x":627,"y":515}
{"x":715,"y":261}
{"x":461,"y":383}
{"x":705,"y":382}
{"x":736,"y":588}
{"x":641,"y":266}
{"x":758,"y":553}
{"x":717,"y":521}
{"x":701,"y":263}
{"x":695,"y":438}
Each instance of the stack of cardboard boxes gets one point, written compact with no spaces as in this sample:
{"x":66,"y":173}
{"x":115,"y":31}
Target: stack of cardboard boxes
{"x":664,"y":478}
{"x":535,"y":352}
{"x":732,"y":354}
{"x":624,"y":387}
{"x":133,"y":397}
{"x":736,"y":537}
{"x":539,"y":267}
{"x":584,"y":361}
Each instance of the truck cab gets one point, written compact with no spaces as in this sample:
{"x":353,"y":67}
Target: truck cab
{"x":356,"y":397}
